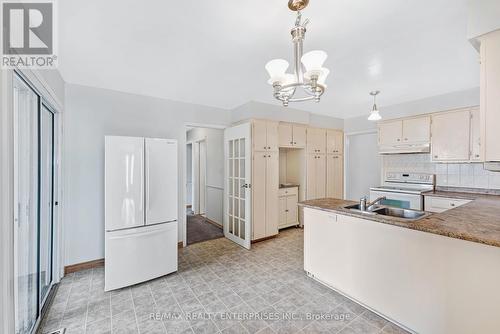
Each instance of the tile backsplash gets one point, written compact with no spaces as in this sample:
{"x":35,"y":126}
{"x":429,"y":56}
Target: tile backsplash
{"x":465,"y":175}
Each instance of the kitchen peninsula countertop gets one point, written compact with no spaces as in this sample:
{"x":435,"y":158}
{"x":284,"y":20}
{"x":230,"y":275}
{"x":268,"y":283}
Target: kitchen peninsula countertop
{"x":477,"y":221}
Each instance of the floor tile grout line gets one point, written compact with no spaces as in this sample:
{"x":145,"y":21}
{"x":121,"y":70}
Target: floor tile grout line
{"x":156,"y":304}
{"x":177,"y":302}
{"x":88,"y":301}
{"x":67,"y":300}
{"x":135,"y":313}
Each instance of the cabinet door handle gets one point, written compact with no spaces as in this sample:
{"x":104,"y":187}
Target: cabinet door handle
{"x":452,"y":204}
{"x":435,"y":157}
{"x":399,"y":139}
{"x":295,"y":143}
{"x":406,"y":138}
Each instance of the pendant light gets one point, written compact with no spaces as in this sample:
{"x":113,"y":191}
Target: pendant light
{"x":374,"y":113}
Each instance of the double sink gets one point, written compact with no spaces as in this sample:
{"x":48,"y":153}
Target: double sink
{"x":389,"y":211}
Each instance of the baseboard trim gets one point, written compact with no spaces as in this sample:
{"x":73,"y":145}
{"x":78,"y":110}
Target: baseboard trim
{"x":93,"y":264}
{"x":83,"y":266}
{"x":213,"y":222}
{"x":264,"y":239}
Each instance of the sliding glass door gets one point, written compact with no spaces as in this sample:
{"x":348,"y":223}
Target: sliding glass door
{"x":46,"y":198}
{"x":33,"y":189}
{"x":26,"y":103}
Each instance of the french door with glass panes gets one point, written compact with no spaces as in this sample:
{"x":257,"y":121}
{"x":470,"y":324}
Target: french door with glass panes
{"x":237,"y":220}
{"x":34,"y":192}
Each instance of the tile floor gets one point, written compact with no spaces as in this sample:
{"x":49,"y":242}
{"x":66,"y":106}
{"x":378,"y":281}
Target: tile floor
{"x":220,"y":288}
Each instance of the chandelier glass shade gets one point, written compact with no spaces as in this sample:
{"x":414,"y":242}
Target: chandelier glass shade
{"x":307,"y":82}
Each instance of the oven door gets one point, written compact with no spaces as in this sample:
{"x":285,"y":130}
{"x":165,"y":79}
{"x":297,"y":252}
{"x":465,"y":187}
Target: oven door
{"x":399,"y":200}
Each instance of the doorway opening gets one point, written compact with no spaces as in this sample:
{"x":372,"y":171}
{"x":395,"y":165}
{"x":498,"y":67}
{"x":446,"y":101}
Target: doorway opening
{"x":204,"y":184}
{"x":363,"y":164}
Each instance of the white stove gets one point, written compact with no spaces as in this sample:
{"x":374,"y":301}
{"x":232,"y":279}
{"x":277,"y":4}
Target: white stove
{"x":404,"y":190}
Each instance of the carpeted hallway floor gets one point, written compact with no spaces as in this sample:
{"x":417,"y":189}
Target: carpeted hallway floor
{"x":199,"y":229}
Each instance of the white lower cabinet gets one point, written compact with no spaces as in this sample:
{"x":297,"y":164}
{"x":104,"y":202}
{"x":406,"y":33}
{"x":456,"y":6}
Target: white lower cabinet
{"x":442,"y":204}
{"x":428,"y":283}
{"x":288,"y":210}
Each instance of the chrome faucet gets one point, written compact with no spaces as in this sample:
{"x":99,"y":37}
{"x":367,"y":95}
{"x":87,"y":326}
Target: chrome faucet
{"x":363,"y":205}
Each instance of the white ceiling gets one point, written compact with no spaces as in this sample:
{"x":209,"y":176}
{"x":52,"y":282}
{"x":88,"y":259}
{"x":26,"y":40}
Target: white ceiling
{"x":214,"y":52}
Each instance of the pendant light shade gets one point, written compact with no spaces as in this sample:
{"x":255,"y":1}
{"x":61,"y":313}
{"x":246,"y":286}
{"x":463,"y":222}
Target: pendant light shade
{"x":374,"y":113}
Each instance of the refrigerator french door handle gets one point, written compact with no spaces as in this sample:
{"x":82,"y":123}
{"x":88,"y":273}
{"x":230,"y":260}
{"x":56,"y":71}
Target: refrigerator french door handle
{"x":148,"y":197}
{"x":136,"y":234}
{"x":141,"y":206}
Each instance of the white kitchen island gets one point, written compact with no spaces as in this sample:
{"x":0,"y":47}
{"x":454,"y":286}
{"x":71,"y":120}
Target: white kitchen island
{"x":425,"y":282}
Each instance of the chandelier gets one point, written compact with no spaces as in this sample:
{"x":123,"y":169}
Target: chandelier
{"x":308,"y":80}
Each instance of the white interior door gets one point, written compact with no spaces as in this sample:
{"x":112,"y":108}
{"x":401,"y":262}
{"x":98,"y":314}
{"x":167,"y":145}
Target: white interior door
{"x":196,"y":177}
{"x":161,"y":180}
{"x":203,"y":176}
{"x":237,"y":215}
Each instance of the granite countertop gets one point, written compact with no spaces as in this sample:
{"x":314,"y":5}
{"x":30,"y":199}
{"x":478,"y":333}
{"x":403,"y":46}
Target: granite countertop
{"x":454,"y":194}
{"x":477,"y":221}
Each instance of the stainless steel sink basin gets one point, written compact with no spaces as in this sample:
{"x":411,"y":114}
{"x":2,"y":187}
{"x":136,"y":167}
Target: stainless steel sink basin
{"x":389,"y":211}
{"x":399,"y":213}
{"x":356,"y":207}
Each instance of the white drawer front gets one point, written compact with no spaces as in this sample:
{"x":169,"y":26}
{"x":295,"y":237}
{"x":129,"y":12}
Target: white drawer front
{"x":140,"y":254}
{"x":288,"y":191}
{"x":441,"y":204}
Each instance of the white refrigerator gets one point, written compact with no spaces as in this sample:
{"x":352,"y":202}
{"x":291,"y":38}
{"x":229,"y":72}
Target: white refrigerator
{"x":140,"y":210}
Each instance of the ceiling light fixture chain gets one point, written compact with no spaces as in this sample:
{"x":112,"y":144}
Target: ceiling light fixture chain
{"x":309,"y":74}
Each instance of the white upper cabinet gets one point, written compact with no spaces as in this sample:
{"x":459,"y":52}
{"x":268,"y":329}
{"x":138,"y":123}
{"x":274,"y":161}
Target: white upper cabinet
{"x":285,"y":134}
{"x":299,"y":136}
{"x":334,"y":142}
{"x":265,"y":135}
{"x":291,"y":135}
{"x":490,"y":96}
{"x":451,"y":136}
{"x":405,"y":135}
{"x":417,"y":130}
{"x":316,"y":140}
{"x":390,"y":133}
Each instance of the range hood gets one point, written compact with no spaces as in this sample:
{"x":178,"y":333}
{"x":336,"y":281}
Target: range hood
{"x":405,"y":148}
{"x":492,"y":166}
